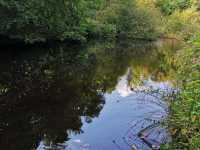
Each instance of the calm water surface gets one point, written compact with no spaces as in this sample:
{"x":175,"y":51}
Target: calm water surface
{"x":103,"y":96}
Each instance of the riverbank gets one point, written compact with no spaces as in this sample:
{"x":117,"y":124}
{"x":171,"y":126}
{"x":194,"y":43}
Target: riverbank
{"x":76,"y":21}
{"x":60,"y":32}
{"x":48,"y":91}
{"x":184,"y":122}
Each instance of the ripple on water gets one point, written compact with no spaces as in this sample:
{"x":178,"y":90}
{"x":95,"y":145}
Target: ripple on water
{"x":130,"y":119}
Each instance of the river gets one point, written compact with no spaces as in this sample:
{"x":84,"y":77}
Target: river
{"x":99,"y":96}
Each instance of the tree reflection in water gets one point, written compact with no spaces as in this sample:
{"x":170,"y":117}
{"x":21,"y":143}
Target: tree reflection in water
{"x":46,"y":98}
{"x":45,"y":92}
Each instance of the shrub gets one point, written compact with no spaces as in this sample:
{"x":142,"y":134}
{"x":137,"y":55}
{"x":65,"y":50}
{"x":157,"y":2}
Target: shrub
{"x":185,"y":119}
{"x":183,"y":24}
{"x":36,"y":20}
{"x":128,"y":19}
{"x":41,"y":20}
{"x":169,"y":6}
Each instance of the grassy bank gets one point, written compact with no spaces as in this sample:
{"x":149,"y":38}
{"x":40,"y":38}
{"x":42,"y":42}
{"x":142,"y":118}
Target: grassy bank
{"x":37,"y":21}
{"x":180,"y":19}
{"x":184,"y":121}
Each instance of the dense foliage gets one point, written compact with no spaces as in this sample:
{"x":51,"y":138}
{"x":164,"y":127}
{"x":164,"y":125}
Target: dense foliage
{"x":41,"y":20}
{"x":37,"y":20}
{"x":129,"y":20}
{"x":181,"y":20}
{"x":185,"y":112}
{"x":169,"y":6}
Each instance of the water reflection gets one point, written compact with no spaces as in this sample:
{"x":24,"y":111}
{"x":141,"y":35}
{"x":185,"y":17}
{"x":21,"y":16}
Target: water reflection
{"x":54,"y":97}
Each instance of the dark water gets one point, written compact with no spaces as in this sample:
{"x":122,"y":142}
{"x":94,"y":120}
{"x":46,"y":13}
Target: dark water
{"x":103,"y":96}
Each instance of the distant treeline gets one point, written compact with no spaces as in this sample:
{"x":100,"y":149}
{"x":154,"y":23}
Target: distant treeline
{"x":40,"y":20}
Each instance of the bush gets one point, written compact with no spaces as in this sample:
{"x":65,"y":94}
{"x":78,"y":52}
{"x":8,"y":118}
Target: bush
{"x":36,"y":20}
{"x":185,"y":119}
{"x":96,"y":29}
{"x":183,"y":24}
{"x":128,"y":20}
{"x":41,"y":20}
{"x":169,"y":6}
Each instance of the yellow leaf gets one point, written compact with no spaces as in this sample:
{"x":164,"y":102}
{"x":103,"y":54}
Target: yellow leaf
{"x":193,"y":118}
{"x":184,"y":131}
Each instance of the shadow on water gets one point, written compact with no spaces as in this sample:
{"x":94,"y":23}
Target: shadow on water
{"x":58,"y":97}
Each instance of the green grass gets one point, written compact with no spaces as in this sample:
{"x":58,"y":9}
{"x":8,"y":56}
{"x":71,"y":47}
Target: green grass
{"x":184,"y":121}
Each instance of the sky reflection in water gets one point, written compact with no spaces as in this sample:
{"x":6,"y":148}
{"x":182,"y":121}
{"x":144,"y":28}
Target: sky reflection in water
{"x":97,"y":97}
